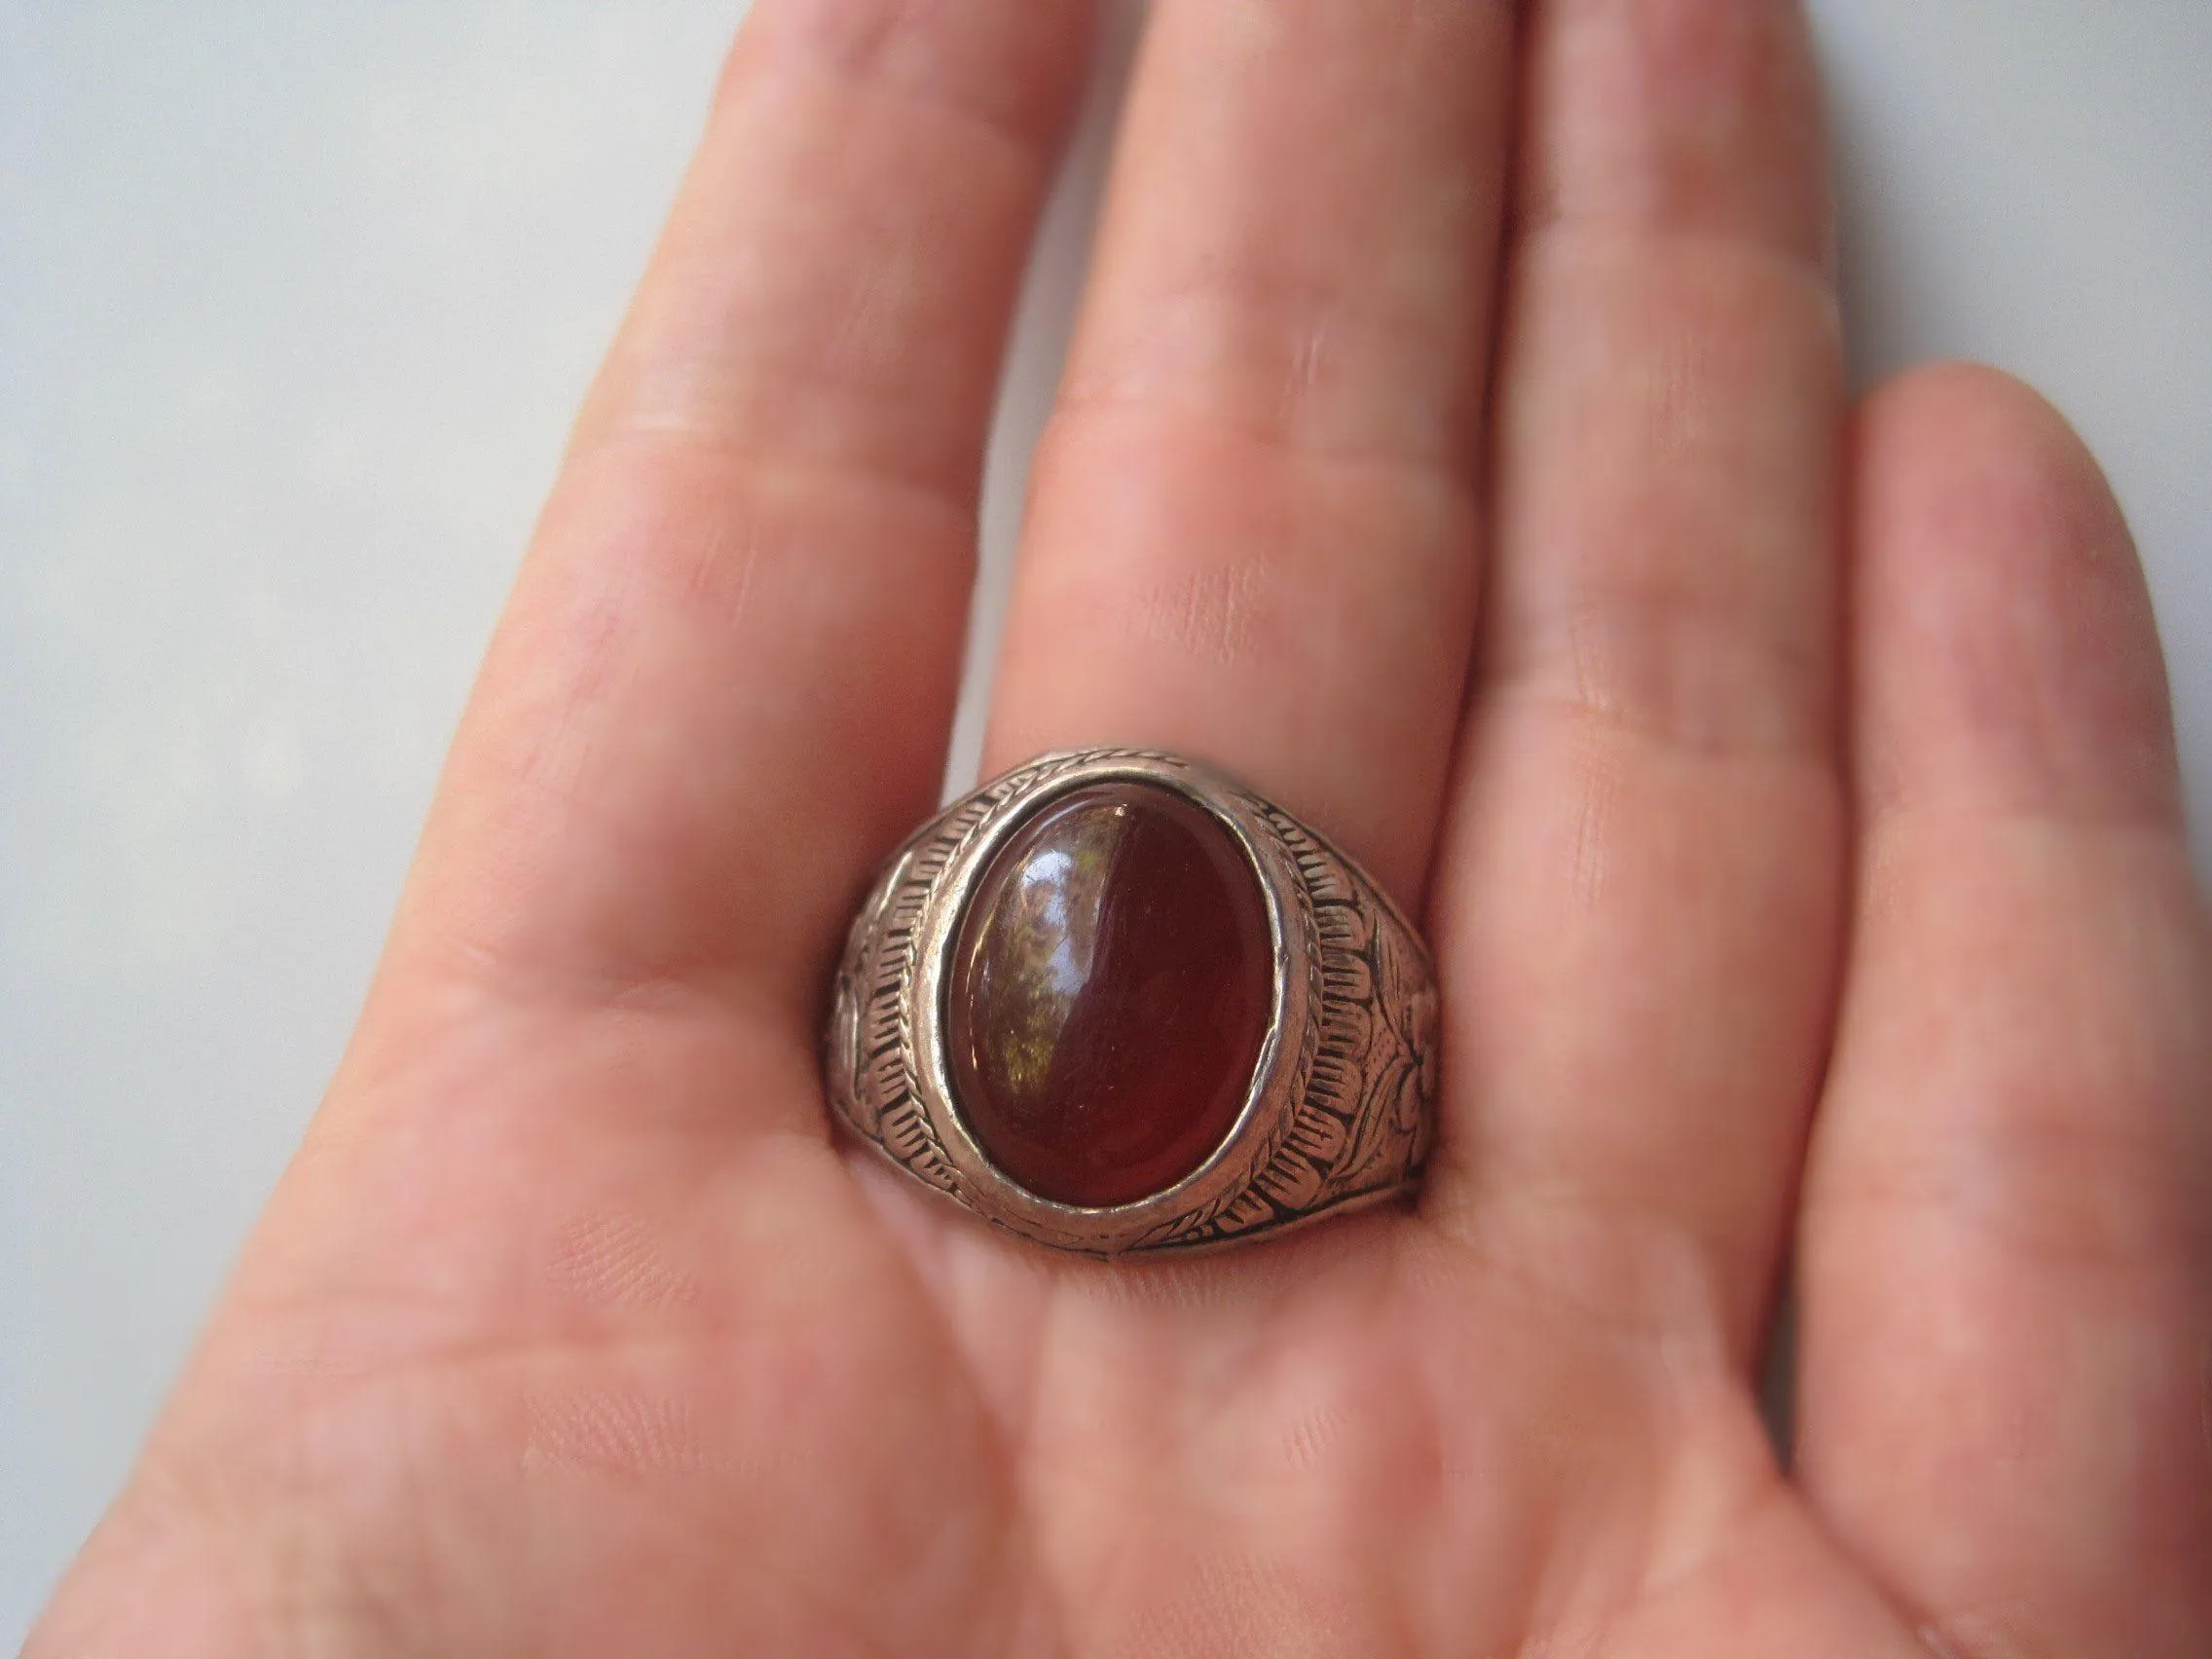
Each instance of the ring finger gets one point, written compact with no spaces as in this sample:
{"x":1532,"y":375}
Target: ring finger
{"x":1253,"y":536}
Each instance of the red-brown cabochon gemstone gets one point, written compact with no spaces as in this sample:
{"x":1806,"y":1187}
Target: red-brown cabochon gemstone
{"x":1112,"y":982}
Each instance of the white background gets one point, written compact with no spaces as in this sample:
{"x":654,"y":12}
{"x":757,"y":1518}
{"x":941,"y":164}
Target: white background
{"x":295,"y":299}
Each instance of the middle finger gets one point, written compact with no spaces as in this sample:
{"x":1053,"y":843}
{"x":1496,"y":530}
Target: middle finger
{"x":1253,"y":535}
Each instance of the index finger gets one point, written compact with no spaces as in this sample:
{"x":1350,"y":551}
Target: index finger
{"x":724,"y":684}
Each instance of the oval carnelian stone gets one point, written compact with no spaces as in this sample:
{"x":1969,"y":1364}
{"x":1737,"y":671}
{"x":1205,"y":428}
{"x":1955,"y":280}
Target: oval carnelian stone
{"x":1111,"y":981}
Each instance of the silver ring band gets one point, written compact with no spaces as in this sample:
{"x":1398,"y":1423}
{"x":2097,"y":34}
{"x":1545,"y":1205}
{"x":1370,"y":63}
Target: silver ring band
{"x":1339,"y":1110}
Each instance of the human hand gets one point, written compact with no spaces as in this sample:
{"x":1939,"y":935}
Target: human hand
{"x":1796,"y":827}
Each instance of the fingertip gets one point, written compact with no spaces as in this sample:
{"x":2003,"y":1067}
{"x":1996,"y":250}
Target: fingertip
{"x":1971,"y":409}
{"x":2006,"y":654}
{"x":1981,"y":459}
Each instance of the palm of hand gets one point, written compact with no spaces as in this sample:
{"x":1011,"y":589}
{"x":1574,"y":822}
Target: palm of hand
{"x":574,"y":1331}
{"x":768,"y":1400}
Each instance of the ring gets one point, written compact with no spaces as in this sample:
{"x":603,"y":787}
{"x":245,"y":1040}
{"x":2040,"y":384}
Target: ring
{"x":1115,"y":1002}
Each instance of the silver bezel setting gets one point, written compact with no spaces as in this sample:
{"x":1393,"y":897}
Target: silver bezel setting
{"x":1350,"y":1047}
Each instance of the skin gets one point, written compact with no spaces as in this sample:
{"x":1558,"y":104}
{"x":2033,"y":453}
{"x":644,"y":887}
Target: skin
{"x":1788,"y":790}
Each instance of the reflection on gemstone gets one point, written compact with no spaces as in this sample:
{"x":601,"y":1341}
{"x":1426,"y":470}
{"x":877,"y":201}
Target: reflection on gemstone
{"x":1111,"y":986}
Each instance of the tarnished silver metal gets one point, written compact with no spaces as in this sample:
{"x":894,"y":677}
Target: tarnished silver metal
{"x":1339,"y":1111}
